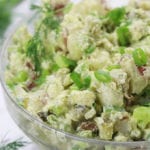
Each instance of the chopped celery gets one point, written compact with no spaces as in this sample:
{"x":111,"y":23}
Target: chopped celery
{"x":103,"y":76}
{"x":113,"y":67}
{"x":123,"y":36}
{"x":10,"y":83}
{"x":76,"y":77}
{"x":122,"y":50}
{"x":54,"y":67}
{"x":116,"y":15}
{"x":86,"y":82}
{"x":42,"y":77}
{"x":81,"y":83}
{"x":140,"y":57}
{"x":21,"y":76}
{"x":59,"y":110}
{"x":64,"y":62}
{"x":90,"y":49}
{"x":142,"y":115}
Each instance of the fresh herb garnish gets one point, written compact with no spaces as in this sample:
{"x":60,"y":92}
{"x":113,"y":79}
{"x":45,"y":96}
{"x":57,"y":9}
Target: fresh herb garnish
{"x":116,"y":15}
{"x":35,"y":46}
{"x":35,"y":50}
{"x":64,"y":62}
{"x":103,"y":76}
{"x":42,"y":77}
{"x":122,"y":50}
{"x":140,"y":57}
{"x":90,"y":49}
{"x":113,"y":19}
{"x":15,"y":145}
{"x":113,"y":67}
{"x":124,"y":36}
{"x":50,"y":19}
{"x":54,"y":67}
{"x":142,"y":116}
{"x":81,"y":83}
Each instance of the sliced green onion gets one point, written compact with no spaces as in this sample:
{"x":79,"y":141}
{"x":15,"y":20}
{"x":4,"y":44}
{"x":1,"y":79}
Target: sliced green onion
{"x":124,"y":36}
{"x":21,"y":76}
{"x":86,"y":82}
{"x":142,"y":115}
{"x":90,"y":49}
{"x":55,"y":67}
{"x":102,"y":76}
{"x":81,"y":83}
{"x":64,"y":62}
{"x":42,"y":77}
{"x":59,"y":110}
{"x":76,"y":77}
{"x":122,"y":50}
{"x":71,"y":63}
{"x":113,"y":67}
{"x":140,"y":57}
{"x":116,"y":15}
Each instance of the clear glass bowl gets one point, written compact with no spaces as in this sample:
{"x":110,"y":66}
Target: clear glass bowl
{"x":45,"y":136}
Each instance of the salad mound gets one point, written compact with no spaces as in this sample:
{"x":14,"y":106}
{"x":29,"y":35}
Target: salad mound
{"x":85,"y":69}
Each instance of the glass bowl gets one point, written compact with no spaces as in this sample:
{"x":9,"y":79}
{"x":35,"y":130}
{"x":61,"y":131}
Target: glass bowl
{"x":45,"y":136}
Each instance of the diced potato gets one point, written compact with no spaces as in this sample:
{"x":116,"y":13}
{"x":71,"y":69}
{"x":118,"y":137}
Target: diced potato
{"x":83,"y":98}
{"x":105,"y":129}
{"x":110,"y":95}
{"x":90,"y":114}
{"x":138,"y":82}
{"x":119,"y":76}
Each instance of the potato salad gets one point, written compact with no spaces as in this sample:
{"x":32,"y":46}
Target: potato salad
{"x":85,"y":69}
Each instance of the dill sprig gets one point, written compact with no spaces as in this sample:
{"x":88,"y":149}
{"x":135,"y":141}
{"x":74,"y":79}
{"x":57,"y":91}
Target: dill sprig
{"x":35,"y":47}
{"x":15,"y":145}
{"x":35,"y":50}
{"x":50,"y":20}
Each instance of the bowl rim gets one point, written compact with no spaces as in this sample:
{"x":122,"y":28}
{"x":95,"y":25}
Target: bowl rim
{"x":5,"y":44}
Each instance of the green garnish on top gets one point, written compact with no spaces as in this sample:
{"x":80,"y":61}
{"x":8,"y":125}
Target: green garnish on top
{"x":122,"y":50}
{"x":81,"y":83}
{"x":64,"y":62}
{"x":50,"y":20}
{"x":90,"y":49}
{"x":142,"y":115}
{"x":113,"y":67}
{"x":140,"y":57}
{"x":103,"y":76}
{"x":35,"y":50}
{"x":116,"y":15}
{"x":124,"y":36}
{"x":14,"y":145}
{"x":35,"y":47}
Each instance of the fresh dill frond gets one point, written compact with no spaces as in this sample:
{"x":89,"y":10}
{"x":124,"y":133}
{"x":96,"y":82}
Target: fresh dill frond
{"x":35,"y":50}
{"x":15,"y":145}
{"x":35,"y":47}
{"x":50,"y":19}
